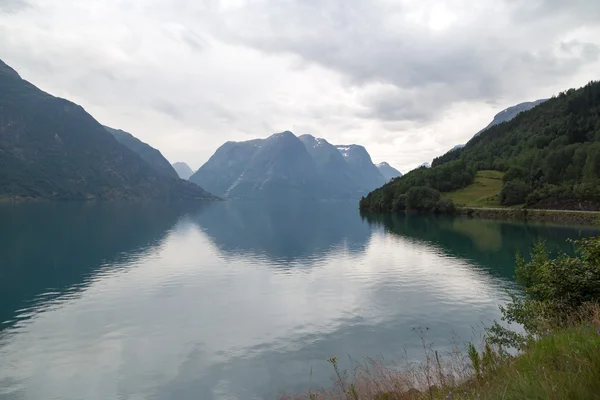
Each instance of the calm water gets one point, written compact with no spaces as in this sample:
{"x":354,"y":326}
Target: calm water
{"x":235,"y":300}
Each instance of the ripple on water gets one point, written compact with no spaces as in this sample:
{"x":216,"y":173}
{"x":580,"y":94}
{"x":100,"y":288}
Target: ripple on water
{"x":212,"y":304}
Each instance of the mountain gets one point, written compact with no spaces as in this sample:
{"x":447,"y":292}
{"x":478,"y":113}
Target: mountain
{"x":145,"y":151}
{"x":286,"y":165}
{"x":504,"y":116}
{"x":330,"y":165}
{"x":511,"y":112}
{"x":51,"y":148}
{"x":262,"y":168}
{"x":425,"y":165}
{"x":549,"y":154}
{"x":388,"y":171}
{"x":360,"y":167}
{"x":183,"y":170}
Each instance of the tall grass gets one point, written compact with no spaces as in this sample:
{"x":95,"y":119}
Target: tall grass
{"x":557,"y":357}
{"x":561,"y":364}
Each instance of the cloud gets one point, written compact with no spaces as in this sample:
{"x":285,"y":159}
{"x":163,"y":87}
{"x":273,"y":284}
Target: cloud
{"x":186,"y":76}
{"x":11,"y":6}
{"x":476,"y":52}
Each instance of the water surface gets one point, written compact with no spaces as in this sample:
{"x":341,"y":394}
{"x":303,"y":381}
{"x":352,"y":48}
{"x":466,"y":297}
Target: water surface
{"x":235,"y":300}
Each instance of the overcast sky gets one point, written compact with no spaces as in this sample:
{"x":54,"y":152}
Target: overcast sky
{"x":407,"y":79}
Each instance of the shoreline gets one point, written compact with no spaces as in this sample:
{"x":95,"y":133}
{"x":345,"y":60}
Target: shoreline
{"x":525,"y":214}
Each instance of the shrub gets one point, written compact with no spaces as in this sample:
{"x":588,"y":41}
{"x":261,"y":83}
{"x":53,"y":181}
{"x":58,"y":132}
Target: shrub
{"x":514,"y":192}
{"x":514,"y":173}
{"x":553,"y":290}
{"x":445,"y":206}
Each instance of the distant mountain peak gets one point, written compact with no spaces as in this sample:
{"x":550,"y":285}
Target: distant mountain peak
{"x":183,"y":170}
{"x":313,"y":141}
{"x":511,"y":112}
{"x":284,"y":134}
{"x":388,"y":171}
{"x":284,"y":164}
{"x":6,"y":70}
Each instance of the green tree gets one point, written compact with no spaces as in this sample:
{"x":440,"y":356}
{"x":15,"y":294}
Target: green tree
{"x":422,"y":198}
{"x":514,"y":192}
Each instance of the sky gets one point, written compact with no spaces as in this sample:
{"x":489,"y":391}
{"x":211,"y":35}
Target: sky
{"x":407,"y":79}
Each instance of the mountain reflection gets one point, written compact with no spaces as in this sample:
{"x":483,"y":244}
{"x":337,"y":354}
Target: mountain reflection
{"x":283,"y":233}
{"x":48,"y":248}
{"x":491,"y":244}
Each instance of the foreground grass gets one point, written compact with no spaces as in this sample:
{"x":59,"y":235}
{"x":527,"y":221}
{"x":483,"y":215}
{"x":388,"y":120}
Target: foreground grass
{"x":483,"y":192}
{"x":554,"y":355}
{"x":564,"y":364}
{"x":561,"y":365}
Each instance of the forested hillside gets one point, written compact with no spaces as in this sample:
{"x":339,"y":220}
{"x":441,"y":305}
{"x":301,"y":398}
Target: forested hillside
{"x":551,"y":156}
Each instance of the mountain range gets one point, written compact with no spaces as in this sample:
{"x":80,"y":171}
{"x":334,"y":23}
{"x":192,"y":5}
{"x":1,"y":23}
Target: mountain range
{"x":51,"y":148}
{"x":286,"y":165}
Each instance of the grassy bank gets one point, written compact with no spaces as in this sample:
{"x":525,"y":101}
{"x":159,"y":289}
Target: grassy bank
{"x":482,"y":199}
{"x":556,"y":355}
{"x":564,"y":364}
{"x":483,"y":192}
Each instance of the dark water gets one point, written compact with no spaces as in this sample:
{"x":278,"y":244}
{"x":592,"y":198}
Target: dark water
{"x":235,"y":300}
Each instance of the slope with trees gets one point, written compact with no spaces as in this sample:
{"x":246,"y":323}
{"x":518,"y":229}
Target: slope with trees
{"x":550,"y":155}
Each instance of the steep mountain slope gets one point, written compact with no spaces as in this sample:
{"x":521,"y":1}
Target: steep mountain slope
{"x":183,"y":170}
{"x":281,"y":166}
{"x":360,"y":167}
{"x":272,"y":167}
{"x":550,"y":153}
{"x":330,"y":165}
{"x":286,"y":165}
{"x":227,"y":165}
{"x":388,"y":171}
{"x":51,"y":148}
{"x":145,"y":151}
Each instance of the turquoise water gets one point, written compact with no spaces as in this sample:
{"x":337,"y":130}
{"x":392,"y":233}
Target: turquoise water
{"x":236,"y":300}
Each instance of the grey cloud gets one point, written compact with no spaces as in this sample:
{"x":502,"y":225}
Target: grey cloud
{"x":167,"y":107}
{"x":220,"y":112}
{"x":11,"y":6}
{"x":193,"y":41}
{"x":188,"y":36}
{"x":375,"y":42}
{"x":369,"y":69}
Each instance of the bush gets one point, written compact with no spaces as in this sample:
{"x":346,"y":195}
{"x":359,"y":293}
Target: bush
{"x":553,"y":290}
{"x":515,"y":173}
{"x":514,"y":192}
{"x":445,"y":206}
{"x":422,"y":198}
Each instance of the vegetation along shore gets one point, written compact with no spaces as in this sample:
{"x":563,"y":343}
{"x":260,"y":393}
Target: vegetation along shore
{"x":554,"y":354}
